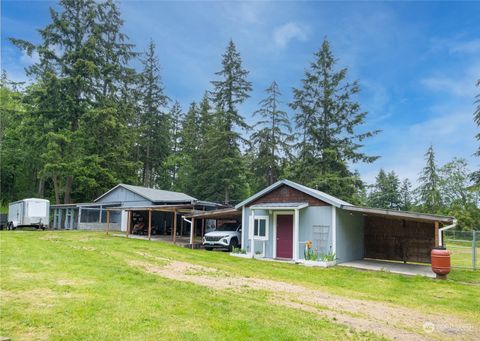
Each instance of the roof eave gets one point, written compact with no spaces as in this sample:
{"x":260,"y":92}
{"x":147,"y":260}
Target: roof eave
{"x":399,"y":214}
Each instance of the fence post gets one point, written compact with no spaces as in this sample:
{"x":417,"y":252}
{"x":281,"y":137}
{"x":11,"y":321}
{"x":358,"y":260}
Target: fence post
{"x":474,"y":250}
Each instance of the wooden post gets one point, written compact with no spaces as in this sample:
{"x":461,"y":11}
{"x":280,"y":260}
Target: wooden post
{"x":129,"y":221}
{"x":149,"y":224}
{"x":203,"y":227}
{"x":174,"y":226}
{"x":108,"y":220}
{"x":436,"y":234}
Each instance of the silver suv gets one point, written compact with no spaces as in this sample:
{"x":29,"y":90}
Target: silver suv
{"x":226,"y":236}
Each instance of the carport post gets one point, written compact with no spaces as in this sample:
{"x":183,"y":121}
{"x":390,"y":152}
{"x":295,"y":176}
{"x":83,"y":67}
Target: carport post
{"x":108,"y":220}
{"x":174,"y":226}
{"x":149,"y":224}
{"x":129,"y":217}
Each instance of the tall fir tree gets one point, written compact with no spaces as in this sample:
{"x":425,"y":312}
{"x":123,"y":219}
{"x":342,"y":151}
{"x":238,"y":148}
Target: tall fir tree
{"x":328,"y":119}
{"x":230,"y":91}
{"x":172,"y":162}
{"x":475,"y":176}
{"x":77,"y":88}
{"x":188,"y":151}
{"x":406,"y":200}
{"x":429,"y":181}
{"x":386,"y":191}
{"x":272,"y":141}
{"x":153,"y":121}
{"x":476,"y":115}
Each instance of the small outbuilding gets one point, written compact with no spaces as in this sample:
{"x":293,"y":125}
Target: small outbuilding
{"x":286,"y":220}
{"x":133,"y":209}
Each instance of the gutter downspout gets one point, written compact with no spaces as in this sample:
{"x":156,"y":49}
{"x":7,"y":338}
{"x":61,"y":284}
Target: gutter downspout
{"x":448,"y":227}
{"x":191,"y":228}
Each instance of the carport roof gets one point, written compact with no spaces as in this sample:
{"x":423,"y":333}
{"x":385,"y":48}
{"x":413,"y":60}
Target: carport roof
{"x":399,"y":214}
{"x":216,"y":214}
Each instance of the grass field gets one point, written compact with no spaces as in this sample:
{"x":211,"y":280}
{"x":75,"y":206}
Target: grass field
{"x":462,"y":253}
{"x":87,"y":286}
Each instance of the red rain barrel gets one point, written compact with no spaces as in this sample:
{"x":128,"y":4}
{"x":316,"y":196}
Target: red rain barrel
{"x":441,"y":262}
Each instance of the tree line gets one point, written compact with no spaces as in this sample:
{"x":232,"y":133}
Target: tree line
{"x":89,"y":120}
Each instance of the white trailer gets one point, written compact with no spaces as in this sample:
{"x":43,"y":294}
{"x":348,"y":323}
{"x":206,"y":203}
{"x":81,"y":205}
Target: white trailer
{"x":29,"y":212}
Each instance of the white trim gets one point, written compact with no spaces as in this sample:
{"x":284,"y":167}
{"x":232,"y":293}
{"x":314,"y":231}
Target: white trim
{"x":275,"y":215}
{"x":250,"y":231}
{"x":244,"y":243}
{"x":280,"y":208}
{"x":334,"y":230}
{"x":296,"y":228}
{"x":267,"y":225}
{"x":310,"y":191}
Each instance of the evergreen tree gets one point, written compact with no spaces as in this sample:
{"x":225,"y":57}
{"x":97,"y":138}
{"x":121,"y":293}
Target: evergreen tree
{"x":406,"y":201}
{"x":153,"y":122}
{"x":475,"y":176}
{"x":386,"y":191}
{"x":172,"y":163}
{"x":476,"y":115}
{"x":328,"y":119}
{"x":75,"y":95}
{"x":428,"y":190}
{"x":188,"y":155}
{"x":224,"y":145}
{"x":272,"y":141}
{"x":205,"y":167}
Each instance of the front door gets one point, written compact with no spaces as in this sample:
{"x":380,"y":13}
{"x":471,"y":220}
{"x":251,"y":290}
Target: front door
{"x":284,"y":236}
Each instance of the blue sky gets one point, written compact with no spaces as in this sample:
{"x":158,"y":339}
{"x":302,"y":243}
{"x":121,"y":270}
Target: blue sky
{"x":416,"y":62}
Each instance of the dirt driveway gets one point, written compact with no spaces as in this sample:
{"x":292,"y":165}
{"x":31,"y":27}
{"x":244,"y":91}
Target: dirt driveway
{"x":390,"y":321}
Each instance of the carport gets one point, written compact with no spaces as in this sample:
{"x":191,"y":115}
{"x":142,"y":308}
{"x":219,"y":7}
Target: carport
{"x":400,"y":236}
{"x":216,"y":216}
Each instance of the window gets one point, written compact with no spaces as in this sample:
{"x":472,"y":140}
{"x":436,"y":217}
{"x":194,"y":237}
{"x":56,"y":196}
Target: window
{"x":260,"y":228}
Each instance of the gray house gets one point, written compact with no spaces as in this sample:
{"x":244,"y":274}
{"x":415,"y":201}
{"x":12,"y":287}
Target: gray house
{"x":279,"y":221}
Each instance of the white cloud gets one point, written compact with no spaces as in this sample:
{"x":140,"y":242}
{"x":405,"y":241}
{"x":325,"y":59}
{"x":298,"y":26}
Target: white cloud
{"x":282,"y":35}
{"x":449,"y":129}
{"x":471,"y":46}
{"x":462,"y":85}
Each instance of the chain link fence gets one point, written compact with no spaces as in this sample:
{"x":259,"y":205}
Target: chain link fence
{"x":465,"y":248}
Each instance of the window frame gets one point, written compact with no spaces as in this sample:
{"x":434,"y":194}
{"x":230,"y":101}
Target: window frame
{"x":266,"y":218}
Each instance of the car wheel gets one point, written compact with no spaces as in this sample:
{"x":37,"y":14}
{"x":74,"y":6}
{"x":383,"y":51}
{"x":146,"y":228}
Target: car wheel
{"x":209,"y":248}
{"x":233,"y":244}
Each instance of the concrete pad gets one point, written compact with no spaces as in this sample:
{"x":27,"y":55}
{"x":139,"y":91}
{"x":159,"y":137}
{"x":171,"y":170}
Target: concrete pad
{"x":394,"y":267}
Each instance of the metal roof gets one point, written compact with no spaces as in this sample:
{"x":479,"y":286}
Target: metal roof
{"x":152,"y":194}
{"x":307,"y":190}
{"x":216,"y":214}
{"x":400,"y":214}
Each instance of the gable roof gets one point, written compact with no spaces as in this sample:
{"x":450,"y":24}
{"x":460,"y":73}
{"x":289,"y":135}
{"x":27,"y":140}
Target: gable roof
{"x":329,"y":199}
{"x":152,"y":194}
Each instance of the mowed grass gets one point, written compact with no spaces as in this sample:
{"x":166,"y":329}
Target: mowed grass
{"x":79,"y":285}
{"x":462,"y":253}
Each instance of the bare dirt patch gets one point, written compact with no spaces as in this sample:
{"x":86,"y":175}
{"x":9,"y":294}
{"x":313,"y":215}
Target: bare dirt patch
{"x":391,"y":321}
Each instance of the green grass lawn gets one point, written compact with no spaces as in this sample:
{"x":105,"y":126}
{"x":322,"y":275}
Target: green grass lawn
{"x":78,"y":285}
{"x":462,"y":253}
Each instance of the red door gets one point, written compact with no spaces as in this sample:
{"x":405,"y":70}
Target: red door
{"x":284,"y":236}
